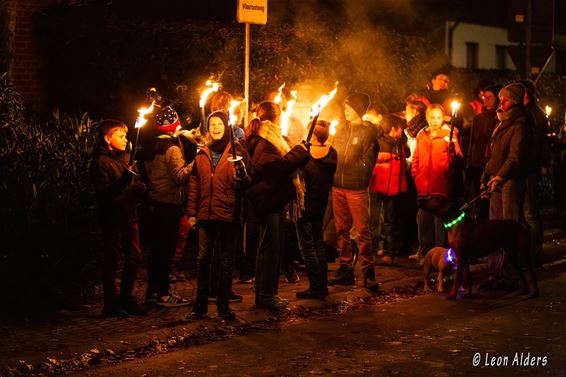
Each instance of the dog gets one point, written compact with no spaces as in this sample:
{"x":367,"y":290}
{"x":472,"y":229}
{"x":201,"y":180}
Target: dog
{"x":441,"y":260}
{"x":471,"y":239}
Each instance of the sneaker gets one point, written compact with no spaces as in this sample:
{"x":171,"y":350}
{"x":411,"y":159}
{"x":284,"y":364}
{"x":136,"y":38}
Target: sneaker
{"x":171,"y":301}
{"x":196,"y":315}
{"x":228,"y":316}
{"x":344,"y":276}
{"x":246,"y":280}
{"x":369,"y":279}
{"x":272,"y":303}
{"x":291,"y":275}
{"x":310,"y":294}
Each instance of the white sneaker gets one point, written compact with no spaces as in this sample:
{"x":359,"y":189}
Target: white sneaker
{"x":171,"y":301}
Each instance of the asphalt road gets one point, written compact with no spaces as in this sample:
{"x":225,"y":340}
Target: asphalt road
{"x":422,"y":336}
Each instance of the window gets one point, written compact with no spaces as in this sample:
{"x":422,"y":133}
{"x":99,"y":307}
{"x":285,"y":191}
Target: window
{"x":501,"y":57}
{"x":472,"y":55}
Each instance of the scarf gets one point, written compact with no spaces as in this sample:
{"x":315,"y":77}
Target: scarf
{"x":272,"y":133}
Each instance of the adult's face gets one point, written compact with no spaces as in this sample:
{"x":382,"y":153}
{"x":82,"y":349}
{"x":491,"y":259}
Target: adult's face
{"x":216,"y":128}
{"x":488,"y":99}
{"x":440,"y":82}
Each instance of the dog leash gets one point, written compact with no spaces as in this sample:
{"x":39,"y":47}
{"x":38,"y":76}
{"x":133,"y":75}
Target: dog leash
{"x":467,"y":205}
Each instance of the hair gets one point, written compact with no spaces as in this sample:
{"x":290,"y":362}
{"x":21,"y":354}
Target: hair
{"x":417,"y":105}
{"x":434,"y":106}
{"x":389,"y":122}
{"x":266,"y":110}
{"x":108,"y":127}
{"x":321,"y":130}
{"x":377,"y":107}
{"x":221,"y":100}
{"x":495,"y":90}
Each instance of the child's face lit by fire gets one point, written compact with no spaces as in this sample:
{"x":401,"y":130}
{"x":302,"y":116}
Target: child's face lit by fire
{"x":116,"y":139}
{"x":435,"y":119}
{"x":216,"y":128}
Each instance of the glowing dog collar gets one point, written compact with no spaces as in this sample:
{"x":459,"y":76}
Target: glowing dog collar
{"x":450,"y":256}
{"x":455,"y":221}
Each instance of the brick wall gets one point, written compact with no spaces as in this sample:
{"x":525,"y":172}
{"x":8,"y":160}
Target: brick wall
{"x":27,"y":63}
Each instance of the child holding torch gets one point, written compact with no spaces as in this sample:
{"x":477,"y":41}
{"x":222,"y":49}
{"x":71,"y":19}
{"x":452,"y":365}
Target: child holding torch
{"x":216,"y":193}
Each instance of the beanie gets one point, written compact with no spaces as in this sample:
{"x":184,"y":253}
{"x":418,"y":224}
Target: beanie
{"x":167,"y":120}
{"x":514,"y":92}
{"x":359,"y":102}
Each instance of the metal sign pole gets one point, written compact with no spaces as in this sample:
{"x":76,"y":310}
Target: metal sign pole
{"x":247,"y":75}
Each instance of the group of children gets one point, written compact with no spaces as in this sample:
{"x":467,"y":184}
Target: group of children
{"x":228,"y":179}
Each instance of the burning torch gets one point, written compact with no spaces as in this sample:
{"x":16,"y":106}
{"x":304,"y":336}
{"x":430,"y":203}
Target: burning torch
{"x":317,"y":109}
{"x":232,"y":120}
{"x":455,"y":105}
{"x":140,"y":121}
{"x":211,"y":88}
{"x":285,"y":115}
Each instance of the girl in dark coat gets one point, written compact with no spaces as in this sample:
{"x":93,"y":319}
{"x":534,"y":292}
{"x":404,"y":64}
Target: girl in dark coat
{"x":274,"y":184}
{"x":216,"y":202}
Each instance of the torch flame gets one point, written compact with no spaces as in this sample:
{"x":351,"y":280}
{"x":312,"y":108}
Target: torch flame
{"x":455,"y":105}
{"x":279,"y":98}
{"x":548,"y":110}
{"x":233,"y":117}
{"x":287,"y":113}
{"x":213,"y":87}
{"x":140,"y":121}
{"x":323,"y":101}
{"x":333,"y":124}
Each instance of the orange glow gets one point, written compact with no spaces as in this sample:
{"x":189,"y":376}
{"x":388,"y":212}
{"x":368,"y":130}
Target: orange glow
{"x":279,"y":97}
{"x":333,"y":124}
{"x":455,"y":105}
{"x":212,"y":87}
{"x":233,"y":117}
{"x":140,"y":121}
{"x":285,"y":115}
{"x":548,"y":110}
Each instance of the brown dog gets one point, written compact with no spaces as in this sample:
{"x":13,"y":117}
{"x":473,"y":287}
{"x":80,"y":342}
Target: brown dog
{"x":441,"y":260}
{"x":472,"y":238}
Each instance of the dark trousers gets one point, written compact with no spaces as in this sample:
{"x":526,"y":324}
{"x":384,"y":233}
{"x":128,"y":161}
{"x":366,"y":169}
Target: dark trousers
{"x":118,"y":240}
{"x":532,"y":213}
{"x":164,"y":226}
{"x":431,"y":231}
{"x":217,"y":246}
{"x":376,"y":219}
{"x":313,"y":251}
{"x":391,"y":225}
{"x":251,"y":241}
{"x":480,"y":208}
{"x":269,"y":255}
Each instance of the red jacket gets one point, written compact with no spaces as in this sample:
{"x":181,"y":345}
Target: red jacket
{"x":215,"y":194}
{"x":389,"y":173}
{"x":431,"y":161}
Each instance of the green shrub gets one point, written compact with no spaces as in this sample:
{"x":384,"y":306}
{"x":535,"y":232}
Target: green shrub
{"x":49,"y":248}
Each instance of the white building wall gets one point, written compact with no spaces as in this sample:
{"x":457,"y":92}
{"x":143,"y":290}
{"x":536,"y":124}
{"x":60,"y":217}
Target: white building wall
{"x":487,"y":37}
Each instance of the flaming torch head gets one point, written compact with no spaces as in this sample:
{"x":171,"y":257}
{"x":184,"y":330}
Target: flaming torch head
{"x":211,"y":87}
{"x":455,"y":105}
{"x":333,"y":124}
{"x":233,"y":117}
{"x":322,"y":102}
{"x":285,"y":115}
{"x":548,"y":111}
{"x":142,"y":112}
{"x":279,"y":96}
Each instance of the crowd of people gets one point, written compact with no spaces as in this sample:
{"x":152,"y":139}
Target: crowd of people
{"x":256,"y":195}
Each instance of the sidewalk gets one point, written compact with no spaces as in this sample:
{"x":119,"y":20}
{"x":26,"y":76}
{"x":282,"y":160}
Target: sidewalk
{"x":81,"y":338}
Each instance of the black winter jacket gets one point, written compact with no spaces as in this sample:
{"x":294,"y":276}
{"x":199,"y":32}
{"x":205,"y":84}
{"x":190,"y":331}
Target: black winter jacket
{"x":319,"y":175}
{"x":357,"y":149}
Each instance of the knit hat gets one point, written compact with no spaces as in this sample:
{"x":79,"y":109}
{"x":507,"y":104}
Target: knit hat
{"x":514,"y":92}
{"x":167,"y":120}
{"x":359,"y":102}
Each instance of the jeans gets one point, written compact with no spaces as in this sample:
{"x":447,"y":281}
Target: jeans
{"x":269,"y":255}
{"x":351,"y":207}
{"x":120,"y":239}
{"x":431,"y":231}
{"x":376,"y":218}
{"x":217,"y":245}
{"x":313,"y":251}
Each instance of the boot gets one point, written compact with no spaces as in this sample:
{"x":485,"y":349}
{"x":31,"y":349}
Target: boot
{"x":311,"y":294}
{"x":344,"y":276}
{"x":369,"y":279}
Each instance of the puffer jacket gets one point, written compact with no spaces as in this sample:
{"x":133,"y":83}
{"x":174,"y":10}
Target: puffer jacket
{"x":117,"y":191}
{"x":166,"y":172}
{"x":214,"y":193}
{"x":508,"y":146}
{"x":389,"y":176}
{"x":431,"y":162}
{"x":357,"y":149}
